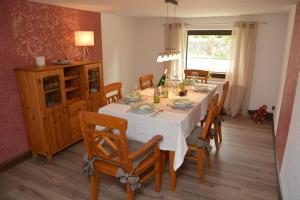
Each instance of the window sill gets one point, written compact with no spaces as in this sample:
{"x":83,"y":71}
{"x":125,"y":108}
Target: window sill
{"x":216,"y":80}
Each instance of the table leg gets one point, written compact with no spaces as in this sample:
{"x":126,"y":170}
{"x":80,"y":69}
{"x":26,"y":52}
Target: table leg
{"x":163,"y":161}
{"x":172,"y":171}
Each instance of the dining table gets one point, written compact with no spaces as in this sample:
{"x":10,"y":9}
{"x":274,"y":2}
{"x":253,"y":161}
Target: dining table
{"x":174,"y":124}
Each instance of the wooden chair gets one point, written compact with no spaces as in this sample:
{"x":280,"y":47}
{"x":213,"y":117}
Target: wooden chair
{"x":146,"y":81}
{"x":199,"y":140}
{"x":218,"y":118}
{"x":109,"y":152}
{"x":202,"y":74}
{"x":112,"y":93}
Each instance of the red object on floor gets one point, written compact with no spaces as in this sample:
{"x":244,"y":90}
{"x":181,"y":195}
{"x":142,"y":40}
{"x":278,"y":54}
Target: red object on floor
{"x":259,"y":115}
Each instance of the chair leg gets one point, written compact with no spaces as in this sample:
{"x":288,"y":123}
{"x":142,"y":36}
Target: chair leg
{"x":216,"y":140}
{"x":220,"y":132}
{"x":163,"y":161}
{"x":207,"y":156}
{"x":94,"y":186}
{"x":157,"y":167}
{"x":130,"y":194}
{"x":200,"y":157}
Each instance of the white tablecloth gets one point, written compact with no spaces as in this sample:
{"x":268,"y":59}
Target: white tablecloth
{"x":173,"y":124}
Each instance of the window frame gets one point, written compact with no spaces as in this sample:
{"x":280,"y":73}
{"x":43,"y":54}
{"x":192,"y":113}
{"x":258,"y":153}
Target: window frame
{"x":218,"y":75}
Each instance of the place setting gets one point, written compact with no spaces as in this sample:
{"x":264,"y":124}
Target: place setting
{"x":203,"y":88}
{"x":181,"y":103}
{"x":145,"y":108}
{"x":139,"y":105}
{"x":131,"y":98}
{"x":142,"y":108}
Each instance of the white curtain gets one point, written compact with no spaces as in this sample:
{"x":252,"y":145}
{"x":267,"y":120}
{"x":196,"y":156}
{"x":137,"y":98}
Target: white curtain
{"x":175,"y":38}
{"x":240,"y":71}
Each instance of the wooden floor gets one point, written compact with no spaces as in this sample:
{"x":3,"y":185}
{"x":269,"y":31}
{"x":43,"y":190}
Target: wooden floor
{"x":244,"y":168}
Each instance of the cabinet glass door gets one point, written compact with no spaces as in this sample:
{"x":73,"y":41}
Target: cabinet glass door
{"x":52,"y":90}
{"x":93,"y":80}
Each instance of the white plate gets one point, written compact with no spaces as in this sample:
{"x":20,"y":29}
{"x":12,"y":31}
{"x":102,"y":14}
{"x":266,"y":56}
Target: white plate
{"x":143,"y":108}
{"x":132,"y":97}
{"x":181,"y":106}
{"x":202,"y":88}
{"x":132,"y":100}
{"x":182,"y":102}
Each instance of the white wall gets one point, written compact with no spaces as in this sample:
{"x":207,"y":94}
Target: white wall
{"x":289,"y":173}
{"x":130,"y":48}
{"x":268,"y":60}
{"x":152,"y":33}
{"x":120,"y":44}
{"x":281,"y":81}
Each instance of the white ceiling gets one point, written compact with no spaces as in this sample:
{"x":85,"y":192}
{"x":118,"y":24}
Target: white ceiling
{"x":186,"y":8}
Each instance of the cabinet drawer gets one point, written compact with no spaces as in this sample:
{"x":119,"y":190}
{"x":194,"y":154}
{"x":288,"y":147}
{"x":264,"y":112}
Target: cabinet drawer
{"x":75,"y":107}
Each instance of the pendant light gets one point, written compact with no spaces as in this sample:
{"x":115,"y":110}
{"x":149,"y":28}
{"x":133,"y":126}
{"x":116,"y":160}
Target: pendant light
{"x":169,"y":54}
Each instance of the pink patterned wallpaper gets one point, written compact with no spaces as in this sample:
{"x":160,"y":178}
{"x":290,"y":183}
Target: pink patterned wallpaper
{"x":28,"y":30}
{"x":289,"y":90}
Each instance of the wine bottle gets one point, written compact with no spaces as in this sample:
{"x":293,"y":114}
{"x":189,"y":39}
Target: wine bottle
{"x":162,"y":80}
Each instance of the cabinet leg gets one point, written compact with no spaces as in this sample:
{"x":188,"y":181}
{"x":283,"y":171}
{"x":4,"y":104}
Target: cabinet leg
{"x":49,"y":159}
{"x":34,"y":155}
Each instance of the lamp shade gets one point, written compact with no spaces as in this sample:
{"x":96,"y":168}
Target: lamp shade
{"x":84,"y":38}
{"x":160,"y":58}
{"x":165,"y":58}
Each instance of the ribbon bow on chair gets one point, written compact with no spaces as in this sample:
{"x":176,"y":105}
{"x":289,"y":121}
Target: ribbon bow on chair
{"x":134,"y":181}
{"x":212,"y":132}
{"x":204,"y":145}
{"x":88,"y":167}
{"x":219,"y":119}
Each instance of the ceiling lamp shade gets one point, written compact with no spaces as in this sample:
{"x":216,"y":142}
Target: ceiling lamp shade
{"x":168,"y":55}
{"x":160,"y":58}
{"x":84,"y":38}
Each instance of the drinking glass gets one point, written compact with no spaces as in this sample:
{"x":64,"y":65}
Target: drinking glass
{"x":194,"y":76}
{"x":136,"y":89}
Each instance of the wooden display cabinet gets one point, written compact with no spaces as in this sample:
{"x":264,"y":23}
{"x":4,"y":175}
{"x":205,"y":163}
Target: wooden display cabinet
{"x":51,"y":97}
{"x":93,"y":73}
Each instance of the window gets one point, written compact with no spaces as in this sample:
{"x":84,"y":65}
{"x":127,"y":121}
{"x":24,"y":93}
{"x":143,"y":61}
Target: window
{"x":209,"y":50}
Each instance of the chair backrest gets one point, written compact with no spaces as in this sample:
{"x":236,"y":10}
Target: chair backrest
{"x":112,"y":92}
{"x":105,"y":136}
{"x":146,"y":81}
{"x":212,"y":108}
{"x":202,"y":74}
{"x":223,"y":98}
